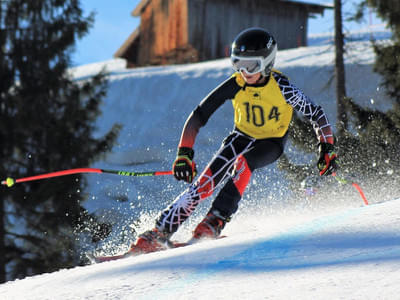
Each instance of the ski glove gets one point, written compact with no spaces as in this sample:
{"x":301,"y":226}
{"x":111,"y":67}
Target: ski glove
{"x":327,"y":159}
{"x":184,"y":167}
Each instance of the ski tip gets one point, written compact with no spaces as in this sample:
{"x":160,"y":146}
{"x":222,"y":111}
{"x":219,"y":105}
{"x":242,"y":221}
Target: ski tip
{"x":93,"y":259}
{"x":90,"y":258}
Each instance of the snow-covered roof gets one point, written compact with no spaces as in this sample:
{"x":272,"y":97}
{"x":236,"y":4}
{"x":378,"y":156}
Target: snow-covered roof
{"x":312,"y":3}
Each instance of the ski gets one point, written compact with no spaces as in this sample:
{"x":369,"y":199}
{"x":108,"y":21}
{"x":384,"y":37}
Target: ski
{"x":95,"y":259}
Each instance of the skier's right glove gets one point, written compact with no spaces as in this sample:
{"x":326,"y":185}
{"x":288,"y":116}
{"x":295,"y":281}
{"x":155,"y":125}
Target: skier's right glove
{"x":184,"y":167}
{"x":327,"y":159}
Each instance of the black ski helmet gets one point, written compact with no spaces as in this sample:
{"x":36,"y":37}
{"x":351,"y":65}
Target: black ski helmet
{"x":258,"y":43}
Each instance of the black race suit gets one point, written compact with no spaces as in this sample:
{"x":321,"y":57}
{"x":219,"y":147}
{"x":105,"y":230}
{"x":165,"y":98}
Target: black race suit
{"x":262,"y":116}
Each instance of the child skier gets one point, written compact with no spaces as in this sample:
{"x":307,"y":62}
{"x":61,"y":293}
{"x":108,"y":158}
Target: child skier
{"x":263,"y":101}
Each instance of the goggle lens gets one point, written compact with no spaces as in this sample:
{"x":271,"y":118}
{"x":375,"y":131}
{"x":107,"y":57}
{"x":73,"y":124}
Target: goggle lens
{"x":250,"y":66}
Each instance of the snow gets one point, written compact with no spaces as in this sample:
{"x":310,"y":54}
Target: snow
{"x":352,"y":253}
{"x":277,"y":248}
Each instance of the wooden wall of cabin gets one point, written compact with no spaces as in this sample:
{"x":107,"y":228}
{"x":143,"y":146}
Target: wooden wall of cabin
{"x":214,"y":24}
{"x":163,"y":33}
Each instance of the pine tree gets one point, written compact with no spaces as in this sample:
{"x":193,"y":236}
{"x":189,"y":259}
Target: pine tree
{"x":342,"y":122}
{"x":378,"y":131}
{"x":369,"y":149}
{"x":47,"y":121}
{"x":388,"y":56}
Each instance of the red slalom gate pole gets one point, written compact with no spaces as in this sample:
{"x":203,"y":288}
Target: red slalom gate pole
{"x":10,"y":181}
{"x":361,"y":192}
{"x":356,"y":186}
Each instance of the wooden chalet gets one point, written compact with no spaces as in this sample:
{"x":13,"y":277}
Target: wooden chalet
{"x":183,"y":31}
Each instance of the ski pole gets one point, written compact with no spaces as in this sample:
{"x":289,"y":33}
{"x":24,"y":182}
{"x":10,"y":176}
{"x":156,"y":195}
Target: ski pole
{"x":356,"y":186}
{"x":10,"y":181}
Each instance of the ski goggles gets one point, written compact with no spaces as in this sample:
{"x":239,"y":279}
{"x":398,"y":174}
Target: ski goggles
{"x":251,"y":65}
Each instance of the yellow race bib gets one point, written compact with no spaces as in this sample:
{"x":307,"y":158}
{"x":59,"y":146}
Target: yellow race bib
{"x":261,"y":112}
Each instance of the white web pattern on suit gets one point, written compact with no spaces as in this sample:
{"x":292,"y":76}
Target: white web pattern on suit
{"x":300,"y":102}
{"x":186,"y":203}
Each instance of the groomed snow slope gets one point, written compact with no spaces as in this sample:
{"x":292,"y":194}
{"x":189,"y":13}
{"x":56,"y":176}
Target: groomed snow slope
{"x":346,"y":254}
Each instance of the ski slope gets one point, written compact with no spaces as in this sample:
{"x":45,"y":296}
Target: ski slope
{"x":344,"y":254}
{"x":277,"y":247}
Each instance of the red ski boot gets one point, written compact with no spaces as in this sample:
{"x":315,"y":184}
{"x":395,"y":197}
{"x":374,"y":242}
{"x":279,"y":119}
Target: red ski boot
{"x":150,"y":241}
{"x":211,"y":226}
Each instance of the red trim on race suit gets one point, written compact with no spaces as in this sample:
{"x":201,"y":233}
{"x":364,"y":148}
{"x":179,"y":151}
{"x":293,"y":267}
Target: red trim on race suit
{"x":242,"y":174}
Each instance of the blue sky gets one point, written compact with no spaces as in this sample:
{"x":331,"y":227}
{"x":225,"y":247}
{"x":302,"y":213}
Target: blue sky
{"x":114,"y":23}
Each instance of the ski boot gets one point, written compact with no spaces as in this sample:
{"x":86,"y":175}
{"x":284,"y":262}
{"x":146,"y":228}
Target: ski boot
{"x":211,"y":226}
{"x":150,"y":241}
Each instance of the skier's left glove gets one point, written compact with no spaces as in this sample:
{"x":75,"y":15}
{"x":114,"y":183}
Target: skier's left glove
{"x":184,"y":167}
{"x":327,"y":159}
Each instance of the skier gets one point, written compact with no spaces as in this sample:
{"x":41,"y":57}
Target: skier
{"x":263,"y":100}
